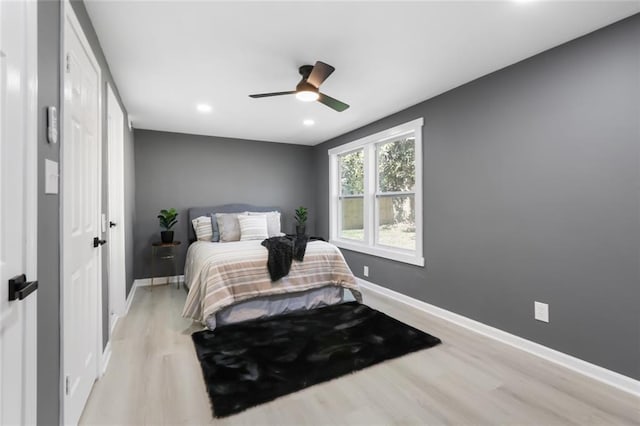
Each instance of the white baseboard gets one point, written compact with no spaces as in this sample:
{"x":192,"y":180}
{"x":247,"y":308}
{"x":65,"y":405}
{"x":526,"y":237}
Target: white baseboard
{"x":596,"y":372}
{"x":113,"y":325}
{"x":105,"y":358}
{"x":131,"y":295}
{"x":106,"y":354}
{"x":144,"y":282}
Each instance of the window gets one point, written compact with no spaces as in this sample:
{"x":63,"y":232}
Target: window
{"x":376,"y":194}
{"x":352,"y":195}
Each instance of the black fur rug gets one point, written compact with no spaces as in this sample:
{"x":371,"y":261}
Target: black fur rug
{"x":254,"y":362}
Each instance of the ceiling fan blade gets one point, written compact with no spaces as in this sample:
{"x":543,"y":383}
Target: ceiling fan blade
{"x":266,"y":95}
{"x":319,"y":73}
{"x":332,"y":103}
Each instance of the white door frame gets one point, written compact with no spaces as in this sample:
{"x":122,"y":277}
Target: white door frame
{"x":31,"y":198}
{"x":117,"y":271}
{"x":68,"y":17}
{"x":31,"y":184}
{"x":30,"y":211}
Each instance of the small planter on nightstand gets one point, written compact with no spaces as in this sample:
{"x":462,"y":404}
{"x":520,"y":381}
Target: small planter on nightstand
{"x":166,"y":236}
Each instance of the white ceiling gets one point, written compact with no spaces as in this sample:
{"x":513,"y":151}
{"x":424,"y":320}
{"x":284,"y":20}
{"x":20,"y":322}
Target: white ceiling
{"x":168,"y":56}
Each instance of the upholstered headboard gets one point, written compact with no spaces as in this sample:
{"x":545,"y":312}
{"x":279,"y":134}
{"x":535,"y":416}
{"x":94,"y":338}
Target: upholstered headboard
{"x":195,"y":212}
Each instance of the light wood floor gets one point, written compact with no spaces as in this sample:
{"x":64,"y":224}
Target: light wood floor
{"x":154,"y":378}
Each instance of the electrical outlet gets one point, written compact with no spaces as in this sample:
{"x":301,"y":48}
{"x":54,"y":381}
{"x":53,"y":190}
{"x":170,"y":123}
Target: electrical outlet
{"x":541,"y":311}
{"x":366,"y":271}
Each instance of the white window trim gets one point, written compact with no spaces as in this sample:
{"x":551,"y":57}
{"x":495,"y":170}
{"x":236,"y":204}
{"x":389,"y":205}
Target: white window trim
{"x":368,"y":143}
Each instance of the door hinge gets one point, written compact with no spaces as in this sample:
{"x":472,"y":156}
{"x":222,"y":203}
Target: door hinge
{"x":66,"y":385}
{"x":68,"y":63}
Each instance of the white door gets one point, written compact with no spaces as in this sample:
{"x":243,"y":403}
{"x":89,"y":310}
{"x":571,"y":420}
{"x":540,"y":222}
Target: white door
{"x":117,"y":274}
{"x":81,"y":268}
{"x":18,"y":210}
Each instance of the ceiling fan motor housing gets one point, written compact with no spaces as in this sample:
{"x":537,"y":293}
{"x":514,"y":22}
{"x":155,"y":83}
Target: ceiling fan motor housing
{"x":305,"y":70}
{"x":305,"y":86}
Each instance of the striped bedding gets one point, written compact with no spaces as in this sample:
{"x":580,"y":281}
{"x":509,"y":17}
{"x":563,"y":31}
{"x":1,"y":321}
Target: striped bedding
{"x":221,"y":274}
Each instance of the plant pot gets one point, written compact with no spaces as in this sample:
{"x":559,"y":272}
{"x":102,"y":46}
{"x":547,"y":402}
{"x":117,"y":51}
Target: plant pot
{"x":166,"y":236}
{"x":301,"y":229}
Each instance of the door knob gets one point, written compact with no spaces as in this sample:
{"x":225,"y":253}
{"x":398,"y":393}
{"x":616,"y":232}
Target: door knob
{"x":98,"y":242}
{"x":112,"y":224}
{"x":19,"y":287}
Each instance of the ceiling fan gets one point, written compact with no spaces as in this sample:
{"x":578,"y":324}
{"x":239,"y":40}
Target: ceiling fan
{"x":308,"y":89}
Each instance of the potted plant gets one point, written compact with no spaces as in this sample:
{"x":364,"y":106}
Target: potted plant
{"x":167,"y":221}
{"x":301,"y":220}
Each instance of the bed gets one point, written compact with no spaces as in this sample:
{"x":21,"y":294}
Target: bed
{"x":229,"y":282}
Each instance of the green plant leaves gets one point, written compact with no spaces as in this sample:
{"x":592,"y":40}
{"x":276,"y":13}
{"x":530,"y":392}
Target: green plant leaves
{"x":301,"y":215}
{"x":167,"y":218}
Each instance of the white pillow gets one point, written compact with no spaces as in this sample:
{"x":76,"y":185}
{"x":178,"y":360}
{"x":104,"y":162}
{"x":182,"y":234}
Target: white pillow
{"x":273,"y":222}
{"x":228,"y":226}
{"x":203,"y":229}
{"x":253,"y":227}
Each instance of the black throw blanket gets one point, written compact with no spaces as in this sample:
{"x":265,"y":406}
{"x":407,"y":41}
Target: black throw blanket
{"x":282,"y":251}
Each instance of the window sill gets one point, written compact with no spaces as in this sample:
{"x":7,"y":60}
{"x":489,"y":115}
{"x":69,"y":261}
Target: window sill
{"x":380,"y":252}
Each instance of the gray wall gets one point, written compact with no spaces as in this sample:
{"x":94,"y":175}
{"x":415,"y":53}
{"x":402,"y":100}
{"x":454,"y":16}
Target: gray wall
{"x":531,"y":179}
{"x":129,"y":206}
{"x":49,"y":369}
{"x":48,"y":220}
{"x":182,"y":171}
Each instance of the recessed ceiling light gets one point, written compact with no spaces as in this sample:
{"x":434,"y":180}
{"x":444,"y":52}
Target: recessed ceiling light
{"x":204,"y":108}
{"x":308,"y":122}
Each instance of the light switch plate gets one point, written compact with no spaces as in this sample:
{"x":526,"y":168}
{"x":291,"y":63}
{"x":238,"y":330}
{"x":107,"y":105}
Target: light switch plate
{"x":541,"y":311}
{"x":50,"y":177}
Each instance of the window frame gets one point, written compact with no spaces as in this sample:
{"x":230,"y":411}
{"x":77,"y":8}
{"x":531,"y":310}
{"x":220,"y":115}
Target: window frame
{"x":370,"y":244}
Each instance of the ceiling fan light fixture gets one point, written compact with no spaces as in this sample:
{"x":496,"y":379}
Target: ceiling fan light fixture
{"x":307,"y":96}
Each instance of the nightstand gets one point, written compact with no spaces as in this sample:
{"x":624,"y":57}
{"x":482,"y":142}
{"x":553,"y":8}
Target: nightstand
{"x":164,"y":251}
